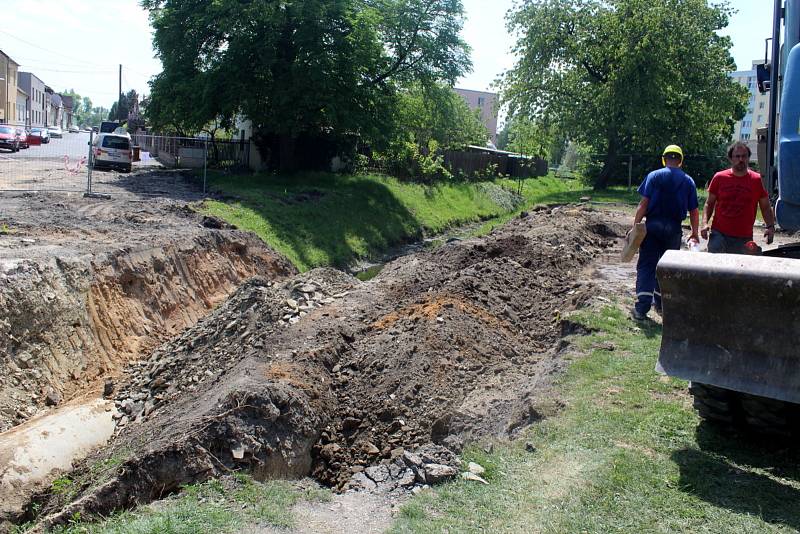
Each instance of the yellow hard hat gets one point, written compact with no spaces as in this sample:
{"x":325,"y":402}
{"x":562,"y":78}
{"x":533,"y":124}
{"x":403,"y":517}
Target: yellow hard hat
{"x":671,"y":149}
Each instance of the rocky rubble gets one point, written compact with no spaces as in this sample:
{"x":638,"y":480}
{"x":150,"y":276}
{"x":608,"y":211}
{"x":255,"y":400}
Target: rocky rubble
{"x":198,"y":357}
{"x":350,"y":382}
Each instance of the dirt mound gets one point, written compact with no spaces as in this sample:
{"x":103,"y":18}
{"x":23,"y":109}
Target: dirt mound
{"x":444,"y":346}
{"x":85,"y":289}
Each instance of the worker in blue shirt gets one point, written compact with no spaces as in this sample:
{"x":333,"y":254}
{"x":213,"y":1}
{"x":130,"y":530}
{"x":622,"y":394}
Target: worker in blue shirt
{"x":667,"y":195}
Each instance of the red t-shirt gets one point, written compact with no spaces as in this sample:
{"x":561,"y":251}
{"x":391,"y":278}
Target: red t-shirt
{"x":737,"y":201}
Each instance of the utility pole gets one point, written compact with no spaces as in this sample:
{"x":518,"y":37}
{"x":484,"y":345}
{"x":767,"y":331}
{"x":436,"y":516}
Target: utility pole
{"x":119,"y":102}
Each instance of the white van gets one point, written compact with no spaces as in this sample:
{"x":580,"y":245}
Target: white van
{"x":112,"y":150}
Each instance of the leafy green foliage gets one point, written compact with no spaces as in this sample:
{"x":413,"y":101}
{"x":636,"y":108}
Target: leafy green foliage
{"x":300,"y":70}
{"x":626,"y":76}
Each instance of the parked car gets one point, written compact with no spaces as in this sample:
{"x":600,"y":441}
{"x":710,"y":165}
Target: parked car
{"x":44,"y":133}
{"x":9,"y":138}
{"x":112,"y":150}
{"x":55,"y":132}
{"x":73,"y":129}
{"x":23,"y":138}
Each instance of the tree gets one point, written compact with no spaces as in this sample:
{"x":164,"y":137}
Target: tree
{"x":298,"y":69}
{"x":626,"y":75}
{"x":126,"y":101}
{"x":429,"y":118}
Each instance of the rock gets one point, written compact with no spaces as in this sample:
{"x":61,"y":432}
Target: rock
{"x":412,"y":460}
{"x":360,"y":481}
{"x":378,"y":473}
{"x":237,"y":451}
{"x":108,"y":388}
{"x":394,"y":454}
{"x":473,"y":477}
{"x":407,"y":478}
{"x":475,"y":469}
{"x":350,"y":423}
{"x":435,"y":473}
{"x":330,"y":450}
{"x":529,"y":447}
{"x":52,"y":397}
{"x":370,"y":449}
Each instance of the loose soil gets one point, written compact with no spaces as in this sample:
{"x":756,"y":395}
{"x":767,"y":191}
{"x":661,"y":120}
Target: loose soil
{"x":292,"y":375}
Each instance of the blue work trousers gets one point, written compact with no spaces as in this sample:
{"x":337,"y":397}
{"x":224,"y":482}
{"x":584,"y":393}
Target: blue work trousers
{"x":662,"y":235}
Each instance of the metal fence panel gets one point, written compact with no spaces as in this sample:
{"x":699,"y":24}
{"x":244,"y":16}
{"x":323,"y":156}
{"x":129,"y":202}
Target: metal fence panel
{"x":57,"y":165}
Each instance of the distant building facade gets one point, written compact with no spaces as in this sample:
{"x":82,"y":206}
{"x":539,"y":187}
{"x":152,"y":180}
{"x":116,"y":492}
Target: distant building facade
{"x":8,"y":90}
{"x":757,"y":108}
{"x":35,"y":89}
{"x":487,"y":104}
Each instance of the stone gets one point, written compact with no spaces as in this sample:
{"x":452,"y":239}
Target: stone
{"x":412,"y":460}
{"x":330,"y":450}
{"x":350,"y":423}
{"x":435,"y":473}
{"x":408,"y":478}
{"x":360,"y":481}
{"x":475,"y":469}
{"x":378,"y":473}
{"x":108,"y":388}
{"x":370,"y":449}
{"x":473,"y":477}
{"x":529,"y":447}
{"x":52,"y":397}
{"x":237,"y":451}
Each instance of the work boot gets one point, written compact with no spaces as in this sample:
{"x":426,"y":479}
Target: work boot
{"x":637,"y":315}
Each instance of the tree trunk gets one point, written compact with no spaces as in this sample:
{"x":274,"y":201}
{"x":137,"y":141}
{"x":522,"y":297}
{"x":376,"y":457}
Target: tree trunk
{"x":286,"y":157}
{"x":610,"y":165}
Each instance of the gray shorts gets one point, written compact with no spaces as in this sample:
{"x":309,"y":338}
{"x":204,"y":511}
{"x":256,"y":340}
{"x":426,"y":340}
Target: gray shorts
{"x":721,"y":243}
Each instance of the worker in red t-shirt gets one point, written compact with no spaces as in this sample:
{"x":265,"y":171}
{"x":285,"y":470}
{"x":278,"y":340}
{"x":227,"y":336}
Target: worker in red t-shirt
{"x":733,"y":196}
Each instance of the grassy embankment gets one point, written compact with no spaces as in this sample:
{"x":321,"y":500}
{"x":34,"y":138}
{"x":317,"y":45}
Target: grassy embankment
{"x":627,"y":454}
{"x":321,"y":219}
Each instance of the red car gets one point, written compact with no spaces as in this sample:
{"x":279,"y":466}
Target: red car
{"x":24,"y":142}
{"x":9,"y":138}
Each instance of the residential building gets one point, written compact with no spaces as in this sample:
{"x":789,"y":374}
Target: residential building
{"x":23,"y":117}
{"x":487,"y":104}
{"x":8,"y":90}
{"x":56,"y":110}
{"x":49,"y":114}
{"x":35,"y":88}
{"x":757,"y":108}
{"x":68,"y":106}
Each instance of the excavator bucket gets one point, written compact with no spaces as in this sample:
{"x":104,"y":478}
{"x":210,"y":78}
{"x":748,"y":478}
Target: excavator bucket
{"x":732,"y":321}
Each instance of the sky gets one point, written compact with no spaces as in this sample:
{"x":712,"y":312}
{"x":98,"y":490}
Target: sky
{"x":79,"y":44}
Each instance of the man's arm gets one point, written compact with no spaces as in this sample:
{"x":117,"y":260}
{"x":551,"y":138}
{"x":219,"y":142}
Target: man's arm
{"x":769,"y":218}
{"x":708,"y":212}
{"x":694,"y":221}
{"x":641,"y":210}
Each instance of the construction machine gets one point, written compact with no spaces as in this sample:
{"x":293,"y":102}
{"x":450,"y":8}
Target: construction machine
{"x":731,"y":323}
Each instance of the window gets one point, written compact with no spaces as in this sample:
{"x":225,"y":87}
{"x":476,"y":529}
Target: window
{"x":759,"y":118}
{"x":120,"y":143}
{"x":761,"y":105}
{"x":481,"y":101}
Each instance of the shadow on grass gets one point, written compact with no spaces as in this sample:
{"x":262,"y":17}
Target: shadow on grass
{"x":730,"y":471}
{"x":332,"y":216}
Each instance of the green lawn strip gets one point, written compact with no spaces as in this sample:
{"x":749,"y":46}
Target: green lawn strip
{"x":325,"y":219}
{"x":219,"y":506}
{"x":625,"y":455}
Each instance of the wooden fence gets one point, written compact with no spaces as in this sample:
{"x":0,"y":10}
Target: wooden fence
{"x":479,"y":163}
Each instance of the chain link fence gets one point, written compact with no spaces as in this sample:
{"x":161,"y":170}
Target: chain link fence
{"x":67,"y":163}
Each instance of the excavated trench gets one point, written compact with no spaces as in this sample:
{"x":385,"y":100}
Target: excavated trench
{"x":320,"y":374}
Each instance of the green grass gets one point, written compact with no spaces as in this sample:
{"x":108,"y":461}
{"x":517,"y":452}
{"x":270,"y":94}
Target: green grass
{"x":324,"y":219}
{"x":219,"y":506}
{"x":627,"y":454}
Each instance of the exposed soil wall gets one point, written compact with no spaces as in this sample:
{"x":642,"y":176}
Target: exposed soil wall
{"x":69,"y":320}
